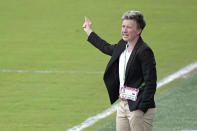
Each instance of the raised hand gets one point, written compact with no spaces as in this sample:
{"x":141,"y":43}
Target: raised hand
{"x":87,"y":26}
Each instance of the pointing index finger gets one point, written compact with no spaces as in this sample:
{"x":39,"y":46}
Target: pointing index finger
{"x":87,"y":20}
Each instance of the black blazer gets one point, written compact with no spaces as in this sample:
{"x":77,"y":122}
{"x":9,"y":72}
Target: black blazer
{"x":141,"y":67}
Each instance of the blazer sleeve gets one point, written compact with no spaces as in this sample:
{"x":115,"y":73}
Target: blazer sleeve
{"x":101,"y":44}
{"x":148,"y":66}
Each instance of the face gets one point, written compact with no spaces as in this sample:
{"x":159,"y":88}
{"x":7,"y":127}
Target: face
{"x":130,"y":32}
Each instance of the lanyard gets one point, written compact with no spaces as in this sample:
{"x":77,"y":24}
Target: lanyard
{"x":125,"y":59}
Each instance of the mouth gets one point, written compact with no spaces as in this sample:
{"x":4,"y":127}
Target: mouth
{"x":124,"y":34}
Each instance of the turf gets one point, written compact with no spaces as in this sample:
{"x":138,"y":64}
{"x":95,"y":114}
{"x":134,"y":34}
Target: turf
{"x":47,"y":35}
{"x":176,"y":108}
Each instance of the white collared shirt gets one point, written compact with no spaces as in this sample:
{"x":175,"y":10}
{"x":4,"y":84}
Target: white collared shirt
{"x":122,"y":64}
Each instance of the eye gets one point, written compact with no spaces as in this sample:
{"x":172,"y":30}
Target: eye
{"x":130,"y":27}
{"x":123,"y":26}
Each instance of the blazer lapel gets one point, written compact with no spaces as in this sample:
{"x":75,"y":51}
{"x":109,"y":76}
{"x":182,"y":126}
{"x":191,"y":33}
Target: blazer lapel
{"x":132,"y":56}
{"x":120,"y":48}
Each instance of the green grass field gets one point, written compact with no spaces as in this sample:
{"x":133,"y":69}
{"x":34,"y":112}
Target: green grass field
{"x":47,"y":35}
{"x":176,"y":108}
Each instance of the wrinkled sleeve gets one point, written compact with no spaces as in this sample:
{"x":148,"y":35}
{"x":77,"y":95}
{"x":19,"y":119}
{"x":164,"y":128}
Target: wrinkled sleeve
{"x":101,"y":44}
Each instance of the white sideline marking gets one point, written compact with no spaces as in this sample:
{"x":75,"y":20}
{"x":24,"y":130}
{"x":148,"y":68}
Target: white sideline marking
{"x":49,"y":72}
{"x":177,"y":74}
{"x":91,"y":120}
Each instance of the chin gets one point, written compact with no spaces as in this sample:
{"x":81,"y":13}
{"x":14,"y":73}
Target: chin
{"x":125,"y":39}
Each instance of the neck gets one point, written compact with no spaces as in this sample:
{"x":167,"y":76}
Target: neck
{"x":131,"y":44}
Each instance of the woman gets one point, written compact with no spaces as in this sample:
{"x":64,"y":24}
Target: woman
{"x":130,"y":74}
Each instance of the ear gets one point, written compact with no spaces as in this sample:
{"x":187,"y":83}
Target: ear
{"x":139,"y":31}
